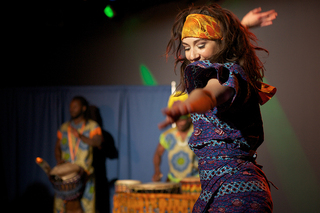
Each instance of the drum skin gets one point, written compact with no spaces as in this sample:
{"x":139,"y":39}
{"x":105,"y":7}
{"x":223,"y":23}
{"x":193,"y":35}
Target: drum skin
{"x":123,"y":186}
{"x":68,"y":181}
{"x":156,"y":187}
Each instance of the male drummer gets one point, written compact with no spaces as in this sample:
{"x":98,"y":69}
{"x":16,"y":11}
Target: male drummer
{"x":76,"y":139}
{"x":182,"y":160}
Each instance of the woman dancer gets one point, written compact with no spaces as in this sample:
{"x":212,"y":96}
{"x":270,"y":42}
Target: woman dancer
{"x":223,"y":76}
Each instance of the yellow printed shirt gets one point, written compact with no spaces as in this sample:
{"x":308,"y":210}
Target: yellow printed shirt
{"x":83,"y":158}
{"x":84,"y":155}
{"x":182,"y":160}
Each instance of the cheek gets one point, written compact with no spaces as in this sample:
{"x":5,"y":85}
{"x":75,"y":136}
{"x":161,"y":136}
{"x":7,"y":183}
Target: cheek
{"x":187,"y":55}
{"x":212,"y":50}
{"x":209,"y":53}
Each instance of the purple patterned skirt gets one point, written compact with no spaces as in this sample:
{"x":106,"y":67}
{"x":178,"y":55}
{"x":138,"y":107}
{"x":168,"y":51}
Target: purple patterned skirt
{"x":231,"y":181}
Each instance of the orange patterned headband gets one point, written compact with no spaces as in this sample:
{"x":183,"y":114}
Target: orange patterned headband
{"x":201,"y":26}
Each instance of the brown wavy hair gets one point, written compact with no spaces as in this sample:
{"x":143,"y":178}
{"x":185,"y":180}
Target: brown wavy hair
{"x":238,"y":43}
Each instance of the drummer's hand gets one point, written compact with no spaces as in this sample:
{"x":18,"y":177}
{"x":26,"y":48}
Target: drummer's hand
{"x":75,"y":132}
{"x":174,"y":113}
{"x":256,"y":18}
{"x":61,"y":161}
{"x":157,"y":177}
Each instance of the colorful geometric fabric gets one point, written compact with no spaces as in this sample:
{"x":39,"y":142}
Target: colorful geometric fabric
{"x":182,"y":160}
{"x":225,"y":140}
{"x":153,"y":203}
{"x":201,"y":26}
{"x":83,"y":158}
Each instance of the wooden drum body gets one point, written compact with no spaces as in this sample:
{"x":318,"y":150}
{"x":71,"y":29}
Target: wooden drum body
{"x":68,"y":181}
{"x":190,"y":185}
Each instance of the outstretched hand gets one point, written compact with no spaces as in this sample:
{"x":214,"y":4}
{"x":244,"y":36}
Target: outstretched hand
{"x":256,"y":18}
{"x":174,"y":113}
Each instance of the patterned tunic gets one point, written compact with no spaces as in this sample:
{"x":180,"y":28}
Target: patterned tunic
{"x":225,"y":140}
{"x":182,"y":160}
{"x":83,"y":158}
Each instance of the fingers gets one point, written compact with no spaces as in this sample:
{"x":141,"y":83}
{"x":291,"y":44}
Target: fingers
{"x":178,"y":109}
{"x":74,"y":132}
{"x":173,"y":114}
{"x":256,"y":10}
{"x":269,"y":15}
{"x":267,"y":19}
{"x":157,"y":177}
{"x":266,"y":23}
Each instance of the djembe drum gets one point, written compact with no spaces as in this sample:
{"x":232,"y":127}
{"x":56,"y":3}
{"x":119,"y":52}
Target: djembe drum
{"x":69,"y":181}
{"x":190,"y":185}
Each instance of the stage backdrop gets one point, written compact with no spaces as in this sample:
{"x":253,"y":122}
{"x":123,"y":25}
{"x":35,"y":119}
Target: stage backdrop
{"x":30,"y":118}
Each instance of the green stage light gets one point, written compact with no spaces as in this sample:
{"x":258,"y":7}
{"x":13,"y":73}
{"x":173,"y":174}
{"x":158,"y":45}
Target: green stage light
{"x":147,"y":77}
{"x":297,"y":176}
{"x":108,"y":11}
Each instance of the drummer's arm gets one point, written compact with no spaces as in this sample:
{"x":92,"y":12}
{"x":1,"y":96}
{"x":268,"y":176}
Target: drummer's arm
{"x":57,"y":152}
{"x":156,"y":162}
{"x":96,"y":140}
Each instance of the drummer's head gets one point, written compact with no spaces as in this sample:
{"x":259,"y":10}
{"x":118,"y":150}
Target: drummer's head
{"x":78,"y":107}
{"x":184,"y":121}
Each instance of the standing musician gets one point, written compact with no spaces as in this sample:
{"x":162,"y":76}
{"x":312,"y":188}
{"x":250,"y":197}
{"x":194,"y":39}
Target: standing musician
{"x":76,"y":139}
{"x":182,"y":160}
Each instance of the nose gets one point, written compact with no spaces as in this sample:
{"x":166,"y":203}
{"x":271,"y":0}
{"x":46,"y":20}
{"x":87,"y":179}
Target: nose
{"x":194,"y":55}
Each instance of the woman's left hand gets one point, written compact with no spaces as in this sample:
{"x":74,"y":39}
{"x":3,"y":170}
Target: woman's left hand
{"x":256,"y":18}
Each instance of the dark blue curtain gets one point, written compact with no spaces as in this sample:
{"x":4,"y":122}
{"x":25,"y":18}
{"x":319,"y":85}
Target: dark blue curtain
{"x":30,"y":117}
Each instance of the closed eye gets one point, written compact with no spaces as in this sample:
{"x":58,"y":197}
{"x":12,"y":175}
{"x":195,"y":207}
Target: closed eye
{"x":201,"y":46}
{"x":186,"y":48}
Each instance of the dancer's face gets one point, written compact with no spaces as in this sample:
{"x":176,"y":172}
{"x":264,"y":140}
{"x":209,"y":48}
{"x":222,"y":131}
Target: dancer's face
{"x":198,"y":49}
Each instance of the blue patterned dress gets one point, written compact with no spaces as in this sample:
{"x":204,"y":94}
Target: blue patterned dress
{"x":225,"y":140}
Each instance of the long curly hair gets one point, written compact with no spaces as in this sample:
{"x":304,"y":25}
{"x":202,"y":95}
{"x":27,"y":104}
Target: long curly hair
{"x":238,"y":44}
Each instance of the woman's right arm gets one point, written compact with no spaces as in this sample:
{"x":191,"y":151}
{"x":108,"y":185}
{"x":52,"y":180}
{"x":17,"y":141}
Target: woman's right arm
{"x":200,"y":100}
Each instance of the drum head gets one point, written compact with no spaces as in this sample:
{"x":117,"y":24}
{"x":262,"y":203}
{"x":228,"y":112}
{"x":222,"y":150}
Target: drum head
{"x":127,"y":182}
{"x":68,"y":180}
{"x":123,"y":185}
{"x":190,"y":180}
{"x":155,"y":187}
{"x":65,"y":170}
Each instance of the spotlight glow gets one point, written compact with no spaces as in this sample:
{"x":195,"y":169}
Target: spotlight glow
{"x":147,"y":77}
{"x":291,"y":162}
{"x":108,"y":11}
